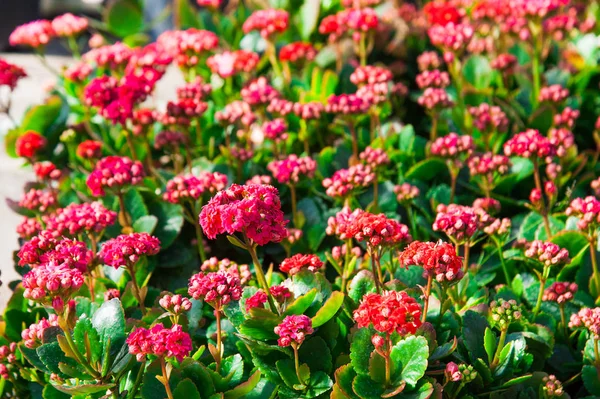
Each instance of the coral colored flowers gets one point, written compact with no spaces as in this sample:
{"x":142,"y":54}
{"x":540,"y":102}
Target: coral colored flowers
{"x":159,"y":341}
{"x":299,"y":262}
{"x":439,"y":260}
{"x":126,"y":249}
{"x":389,"y":312}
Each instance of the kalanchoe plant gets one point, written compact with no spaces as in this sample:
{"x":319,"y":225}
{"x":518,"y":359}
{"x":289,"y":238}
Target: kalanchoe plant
{"x":408,"y":194}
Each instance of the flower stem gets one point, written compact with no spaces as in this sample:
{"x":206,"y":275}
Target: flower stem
{"x":538,"y":304}
{"x":345,"y":270}
{"x":426,"y":302}
{"x":260,"y":276}
{"x":413,"y":222}
{"x":595,"y":272}
{"x":376,"y":193}
{"x":297,"y":363}
{"x":388,"y":368}
{"x":543,"y":211}
{"x":563,"y":320}
{"x":219,"y":343}
{"x":124,"y":217}
{"x":376,"y":270}
{"x":163,"y":366}
{"x":453,"y":181}
{"x":499,"y":348}
{"x":294,"y":210}
{"x":503,"y":263}
{"x":466,"y":257}
{"x":354,"y":140}
{"x":75,"y":350}
{"x":136,"y":288}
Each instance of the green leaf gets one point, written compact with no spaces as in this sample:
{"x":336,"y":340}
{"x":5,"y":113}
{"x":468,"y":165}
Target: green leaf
{"x":32,"y":357}
{"x":490,"y":344}
{"x":124,"y":17}
{"x":477,"y":71}
{"x":366,"y":388}
{"x":529,"y":226}
{"x":186,"y":390}
{"x":362,"y":284}
{"x":319,"y":384}
{"x":244,"y":388}
{"x":316,"y":354}
{"x":591,"y":380}
{"x":145,"y":224}
{"x":377,"y":368}
{"x":260,"y":325}
{"x":427,"y":169}
{"x":198,"y":373}
{"x":83,"y":389}
{"x":409,"y":360}
{"x":134,"y":202}
{"x":301,"y":303}
{"x":287,"y":372}
{"x":424,"y":391}
{"x":50,"y":392}
{"x":344,"y":376}
{"x":361,"y":348}
{"x":473,"y":332}
{"x":329,"y":309}
{"x":309,"y":16}
{"x":51,"y":355}
{"x":188,"y":16}
{"x":86,"y":336}
{"x":170,"y":222}
{"x":109,"y":321}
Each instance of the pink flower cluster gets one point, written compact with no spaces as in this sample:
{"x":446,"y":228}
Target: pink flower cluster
{"x":258,"y":92}
{"x":70,"y":253}
{"x":10,"y":74}
{"x":374,"y":157}
{"x":488,"y":164}
{"x":498,"y":227}
{"x":51,"y":284}
{"x":377,"y":230}
{"x":28,"y":228}
{"x":187,"y":46}
{"x":275,"y":130}
{"x":236,"y":112}
{"x":435,"y":99}
{"x":530,"y":144}
{"x":309,"y":110}
{"x":113,"y":57}
{"x":256,"y":301}
{"x":32,"y":336}
{"x":182,"y":112}
{"x":267,"y":22}
{"x":216,"y":288}
{"x":452,"y":146}
{"x":46,"y":171}
{"x":566,"y":118}
{"x":114,"y":173}
{"x":346,"y":104}
{"x":345,"y":181}
{"x":433,"y":78}
{"x":489,"y":118}
{"x":389,"y":312}
{"x":369,"y":74}
{"x":290,"y":169}
{"x":75,"y":219}
{"x":159,"y":341}
{"x":175,"y":304}
{"x":355,"y":21}
{"x":504,"y":62}
{"x":297,"y":51}
{"x":126,"y":249}
{"x":38,"y":200}
{"x":171,"y":141}
{"x":587,"y":318}
{"x":69,"y":25}
{"x":458,"y":222}
{"x":562,"y":139}
{"x":451,"y":37}
{"x":406,"y":193}
{"x":547,"y":253}
{"x":241,"y":271}
{"x":560,"y":292}
{"x":254,"y":210}
{"x":428,"y":60}
{"x":229,"y":63}
{"x":298,"y":262}
{"x":293,"y":330}
{"x":439,"y":260}
{"x":553,"y":94}
{"x":195,"y":89}
{"x":31,"y":252}
{"x":190,"y":188}
{"x":587,"y":210}
{"x":342,"y":223}
{"x":32,"y":34}
{"x":339,"y":252}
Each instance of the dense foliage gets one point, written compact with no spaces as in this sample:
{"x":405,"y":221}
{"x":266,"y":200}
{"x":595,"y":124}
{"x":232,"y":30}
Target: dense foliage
{"x":354,"y":200}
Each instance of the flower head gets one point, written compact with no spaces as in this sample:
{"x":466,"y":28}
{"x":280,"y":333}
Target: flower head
{"x":175,"y":304}
{"x":267,"y":22}
{"x":504,"y":312}
{"x":114,"y":173}
{"x":125,"y":250}
{"x":433,"y":78}
{"x":435,"y":99}
{"x":32,"y":336}
{"x":552,"y":387}
{"x":290,"y":169}
{"x":29,"y":144}
{"x":452,"y":146}
{"x":298,"y":262}
{"x":28,"y":228}
{"x":378,"y":230}
{"x":69,"y":25}
{"x":389,"y":312}
{"x":229,"y":63}
{"x":587,"y":318}
{"x":587,"y":210}
{"x":259,"y":92}
{"x":293,"y":330}
{"x":89,"y":149}
{"x":406,"y":193}
{"x":459,"y":222}
{"x":489,"y":118}
{"x":38,"y":200}
{"x":374,"y":157}
{"x":159,"y":341}
{"x":70,"y":253}
{"x":275,"y":130}
{"x":189,"y":187}
{"x":75,"y":219}
{"x":297,"y":51}
{"x":547,"y":253}
{"x":32,"y":34}
{"x":346,"y":104}
{"x":49,"y":282}
{"x":253,"y":210}
{"x":370,"y":74}
{"x":10,"y":74}
{"x":241,"y":271}
{"x":439,"y":260}
{"x":560,"y":292}
{"x":530,"y":144}
{"x":31,"y":252}
{"x":256,"y":301}
{"x":216,"y":288}
{"x":346,"y":181}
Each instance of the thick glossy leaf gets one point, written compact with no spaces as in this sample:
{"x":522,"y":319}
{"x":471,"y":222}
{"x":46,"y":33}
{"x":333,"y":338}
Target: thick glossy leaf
{"x":50,"y":392}
{"x":134,"y":202}
{"x":329,"y":309}
{"x":427,"y":169}
{"x":360,"y":350}
{"x":301,"y":303}
{"x":490,"y":344}
{"x":477,"y":71}
{"x":319,"y":384}
{"x":170,"y":222}
{"x":473,"y":332}
{"x":87,"y":339}
{"x":244,"y":388}
{"x":145,"y":224}
{"x":83,"y":389}
{"x":409,"y":360}
{"x":124,"y":17}
{"x":186,"y":390}
{"x":366,"y":388}
{"x":316,"y":354}
{"x":362,"y":284}
{"x":109,"y":321}
{"x":309,"y":16}
{"x":591,"y":380}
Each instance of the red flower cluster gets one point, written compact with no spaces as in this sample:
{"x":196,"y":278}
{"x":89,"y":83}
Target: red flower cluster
{"x":216,"y":288}
{"x":114,"y":173}
{"x":560,"y":292}
{"x":32,"y":34}
{"x":459,"y":222}
{"x":452,"y":146}
{"x":345,"y":181}
{"x":241,"y":271}
{"x":389,"y":312}
{"x":275,"y":130}
{"x":32,"y":336}
{"x":256,"y":301}
{"x":187,"y":46}
{"x":159,"y":341}
{"x":298,"y":262}
{"x":267,"y":22}
{"x":290,"y":169}
{"x":89,"y":149}
{"x":442,"y":13}
{"x":29,"y":144}
{"x":451,"y":37}
{"x":175,"y":304}
{"x":125,"y":250}
{"x":189,"y":187}
{"x":38,"y":200}
{"x":46,"y":171}
{"x":70,"y":253}
{"x":488,"y":164}
{"x":258,"y":92}
{"x":504,"y":63}
{"x":229,"y":63}
{"x":181,"y":112}
{"x":566,"y":118}
{"x":439,"y":260}
{"x":370,"y":74}
{"x":378,"y":230}
{"x":75,"y":219}
{"x":489,"y":118}
{"x":293,"y":330}
{"x":196,"y":89}
{"x":69,"y":25}
{"x":547,"y":253}
{"x":342,"y":223}
{"x":113,"y":57}
{"x":297,"y":51}
{"x":10,"y":74}
{"x":309,"y":110}
{"x":530,"y":144}
{"x":254,"y":210}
